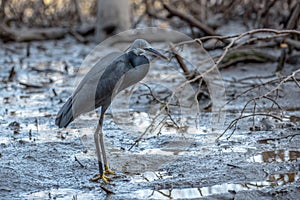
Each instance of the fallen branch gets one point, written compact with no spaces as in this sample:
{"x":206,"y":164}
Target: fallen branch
{"x":246,"y":55}
{"x":29,"y":34}
{"x":278,"y":138}
{"x":29,"y":85}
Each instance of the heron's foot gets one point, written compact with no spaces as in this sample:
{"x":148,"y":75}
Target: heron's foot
{"x":104,"y":178}
{"x":107,"y":170}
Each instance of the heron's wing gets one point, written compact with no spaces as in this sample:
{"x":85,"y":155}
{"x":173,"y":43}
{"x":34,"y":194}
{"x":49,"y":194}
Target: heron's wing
{"x":96,"y":87}
{"x":125,"y":71}
{"x":111,"y":79}
{"x":97,"y":70}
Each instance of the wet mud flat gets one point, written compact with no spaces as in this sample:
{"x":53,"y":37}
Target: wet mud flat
{"x":39,"y":161}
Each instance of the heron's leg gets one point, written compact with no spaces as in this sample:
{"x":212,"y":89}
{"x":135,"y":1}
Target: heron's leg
{"x":101,"y":174}
{"x":106,"y":166}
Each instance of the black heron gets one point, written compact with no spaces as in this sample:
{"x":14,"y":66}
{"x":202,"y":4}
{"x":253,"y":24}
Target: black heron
{"x":100,"y":85}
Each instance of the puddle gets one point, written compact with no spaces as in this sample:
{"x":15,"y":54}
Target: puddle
{"x":236,"y":149}
{"x":151,"y":176}
{"x":61,"y":194}
{"x":194,"y":192}
{"x":167,"y":152}
{"x":275,"y":156}
{"x":272,"y":181}
{"x":283,"y":179}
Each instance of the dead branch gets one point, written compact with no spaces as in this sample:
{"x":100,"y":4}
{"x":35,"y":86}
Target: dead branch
{"x":296,"y":81}
{"x":235,"y":38}
{"x":191,"y":20}
{"x":252,"y":32}
{"x":259,"y":14}
{"x":250,"y":89}
{"x":180,"y":60}
{"x":234,"y":122}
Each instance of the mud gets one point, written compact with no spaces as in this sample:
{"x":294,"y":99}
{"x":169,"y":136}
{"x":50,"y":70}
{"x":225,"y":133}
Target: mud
{"x":40,"y":161}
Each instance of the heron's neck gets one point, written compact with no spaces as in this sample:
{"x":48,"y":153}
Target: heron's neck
{"x":137,"y":60}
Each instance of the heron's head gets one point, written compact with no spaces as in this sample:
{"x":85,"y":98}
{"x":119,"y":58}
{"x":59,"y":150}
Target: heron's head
{"x":141,"y":46}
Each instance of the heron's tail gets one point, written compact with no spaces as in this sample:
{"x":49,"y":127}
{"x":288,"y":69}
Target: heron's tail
{"x":65,"y":115}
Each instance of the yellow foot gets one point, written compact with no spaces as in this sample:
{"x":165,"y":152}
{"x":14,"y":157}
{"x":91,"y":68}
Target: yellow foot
{"x":107,"y":170}
{"x":104,"y":178}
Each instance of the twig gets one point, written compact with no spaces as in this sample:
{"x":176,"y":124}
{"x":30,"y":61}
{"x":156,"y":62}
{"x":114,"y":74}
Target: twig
{"x":235,"y":121}
{"x":79,"y":162}
{"x":248,"y":90}
{"x":151,"y":126}
{"x":78,"y":37}
{"x":106,"y":190}
{"x":297,"y":83}
{"x":156,"y":98}
{"x":146,"y":131}
{"x":283,"y":81}
{"x":12,"y":74}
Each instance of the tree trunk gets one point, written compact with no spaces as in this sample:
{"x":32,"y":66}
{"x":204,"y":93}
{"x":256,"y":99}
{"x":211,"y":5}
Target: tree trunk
{"x":2,"y":13}
{"x":112,"y":17}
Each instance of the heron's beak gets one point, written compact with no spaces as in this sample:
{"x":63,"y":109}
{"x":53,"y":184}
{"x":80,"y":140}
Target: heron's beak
{"x":156,"y":53}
